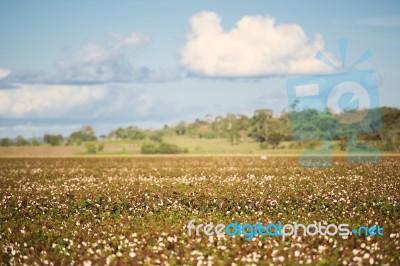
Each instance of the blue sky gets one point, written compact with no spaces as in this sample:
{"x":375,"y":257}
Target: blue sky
{"x":149,"y":63}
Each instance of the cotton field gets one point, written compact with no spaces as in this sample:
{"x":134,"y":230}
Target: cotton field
{"x":135,"y":211}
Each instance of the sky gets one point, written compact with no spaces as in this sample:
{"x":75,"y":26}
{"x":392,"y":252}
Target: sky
{"x":64,"y":64}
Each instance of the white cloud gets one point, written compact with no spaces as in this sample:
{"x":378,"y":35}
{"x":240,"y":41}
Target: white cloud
{"x":117,"y":45}
{"x":45,"y":101}
{"x":65,"y":104}
{"x":4,"y":73}
{"x":94,"y":63}
{"x":380,"y":21}
{"x":256,"y":46}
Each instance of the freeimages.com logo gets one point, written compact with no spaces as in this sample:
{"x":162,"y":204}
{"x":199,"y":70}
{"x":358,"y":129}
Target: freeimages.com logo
{"x":340,"y":105}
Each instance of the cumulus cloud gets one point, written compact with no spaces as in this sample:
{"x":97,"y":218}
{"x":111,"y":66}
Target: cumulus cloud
{"x":45,"y":101}
{"x":94,"y":63}
{"x":4,"y":73}
{"x":16,"y":78}
{"x":66,"y":104}
{"x":257,"y":46}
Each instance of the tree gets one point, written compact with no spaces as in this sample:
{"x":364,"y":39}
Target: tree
{"x":53,"y":140}
{"x":5,"y":142}
{"x":277,"y":131}
{"x":167,"y":148}
{"x":149,"y":148}
{"x":131,"y":132}
{"x":101,"y":147}
{"x":157,"y":136}
{"x":259,"y":123}
{"x":274,"y":139}
{"x":21,"y":141}
{"x":390,"y":139}
{"x":180,"y":129}
{"x":85,"y":134}
{"x":163,"y":148}
{"x":232,"y":129}
{"x":90,"y":148}
{"x":35,"y":142}
{"x":294,"y":105}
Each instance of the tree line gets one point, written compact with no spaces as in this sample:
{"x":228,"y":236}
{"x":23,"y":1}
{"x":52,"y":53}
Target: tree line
{"x":307,"y":126}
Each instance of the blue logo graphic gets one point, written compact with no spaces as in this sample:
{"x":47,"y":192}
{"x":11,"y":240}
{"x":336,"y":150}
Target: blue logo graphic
{"x":279,"y":229}
{"x":337,"y":106}
{"x":374,"y":230}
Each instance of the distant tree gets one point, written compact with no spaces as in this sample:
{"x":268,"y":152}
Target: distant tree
{"x":294,"y":105}
{"x":259,"y":123}
{"x":156,"y":136}
{"x":35,"y":142}
{"x":167,"y":148}
{"x":132,"y":132}
{"x":53,"y":140}
{"x":85,"y":134}
{"x":90,"y":148}
{"x":232,"y":129}
{"x":180,"y":129}
{"x":101,"y":147}
{"x":149,"y":148}
{"x":277,"y":130}
{"x":390,"y":139}
{"x":163,"y":148}
{"x":21,"y":141}
{"x":5,"y":142}
{"x":274,"y":139}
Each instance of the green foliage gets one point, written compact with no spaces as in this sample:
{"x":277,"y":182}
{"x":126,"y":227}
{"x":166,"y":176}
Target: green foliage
{"x":132,"y":133}
{"x":21,"y":141}
{"x":167,"y":148}
{"x":311,"y":124}
{"x":162,"y":148}
{"x":85,"y":134}
{"x":5,"y":142}
{"x":264,"y":127}
{"x":261,"y":127}
{"x":180,"y":129}
{"x":231,"y":127}
{"x":259,"y":122}
{"x":390,"y":140}
{"x":101,"y":147}
{"x":35,"y":142}
{"x":274,"y":139}
{"x":90,"y":148}
{"x":156,"y":136}
{"x":208,"y":135}
{"x":149,"y":148}
{"x":53,"y":140}
{"x":343,"y":144}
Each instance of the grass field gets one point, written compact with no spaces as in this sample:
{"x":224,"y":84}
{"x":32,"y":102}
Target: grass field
{"x":199,"y":146}
{"x":135,"y":211}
